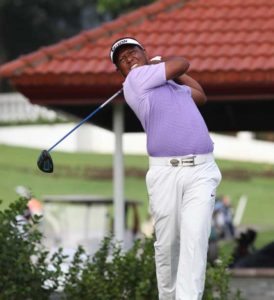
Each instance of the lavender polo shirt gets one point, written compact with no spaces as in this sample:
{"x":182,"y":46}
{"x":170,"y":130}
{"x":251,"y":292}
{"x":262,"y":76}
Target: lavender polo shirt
{"x":169,"y":115}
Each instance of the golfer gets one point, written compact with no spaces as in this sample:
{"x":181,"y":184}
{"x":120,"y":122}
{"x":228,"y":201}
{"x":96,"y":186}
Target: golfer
{"x":182,"y":176}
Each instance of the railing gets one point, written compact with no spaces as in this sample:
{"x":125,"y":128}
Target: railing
{"x":14,"y":107}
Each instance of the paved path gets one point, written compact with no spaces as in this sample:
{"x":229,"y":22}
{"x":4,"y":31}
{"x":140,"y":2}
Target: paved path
{"x":255,"y":284}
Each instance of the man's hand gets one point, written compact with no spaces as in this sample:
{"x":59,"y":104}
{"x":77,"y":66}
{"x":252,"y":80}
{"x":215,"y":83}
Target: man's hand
{"x":155,"y":60}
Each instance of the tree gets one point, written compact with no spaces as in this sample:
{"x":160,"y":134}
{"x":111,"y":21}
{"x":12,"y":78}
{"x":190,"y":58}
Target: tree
{"x":28,"y":25}
{"x":114,"y":8}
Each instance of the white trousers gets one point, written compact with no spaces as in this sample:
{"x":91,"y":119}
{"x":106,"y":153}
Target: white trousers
{"x":181,"y":203}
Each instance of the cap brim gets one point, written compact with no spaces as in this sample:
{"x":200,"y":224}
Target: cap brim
{"x":120,"y":43}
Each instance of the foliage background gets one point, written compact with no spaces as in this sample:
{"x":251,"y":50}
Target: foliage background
{"x":24,"y":264}
{"x":28,"y":272}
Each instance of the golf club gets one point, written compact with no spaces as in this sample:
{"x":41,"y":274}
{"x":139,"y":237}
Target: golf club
{"x":45,"y":162}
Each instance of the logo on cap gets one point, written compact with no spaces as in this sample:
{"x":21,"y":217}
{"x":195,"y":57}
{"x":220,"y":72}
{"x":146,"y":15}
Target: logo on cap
{"x":118,"y":44}
{"x":123,"y":41}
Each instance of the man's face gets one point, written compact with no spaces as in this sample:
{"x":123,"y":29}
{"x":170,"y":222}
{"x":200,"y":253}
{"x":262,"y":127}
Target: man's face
{"x":129,"y":57}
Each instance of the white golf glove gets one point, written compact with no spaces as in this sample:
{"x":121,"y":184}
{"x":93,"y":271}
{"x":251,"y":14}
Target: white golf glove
{"x":156,"y":58}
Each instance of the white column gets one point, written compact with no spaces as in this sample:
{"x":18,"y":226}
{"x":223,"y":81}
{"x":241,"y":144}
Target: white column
{"x":118,"y":173}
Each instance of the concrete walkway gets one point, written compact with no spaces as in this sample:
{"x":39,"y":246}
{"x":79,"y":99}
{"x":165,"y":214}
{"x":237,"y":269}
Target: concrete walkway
{"x":254,"y":284}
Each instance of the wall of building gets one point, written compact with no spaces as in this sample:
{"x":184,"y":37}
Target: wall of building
{"x":90,"y":138}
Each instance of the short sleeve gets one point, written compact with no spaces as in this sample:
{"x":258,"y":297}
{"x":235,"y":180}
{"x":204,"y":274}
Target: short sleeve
{"x":144,"y":78}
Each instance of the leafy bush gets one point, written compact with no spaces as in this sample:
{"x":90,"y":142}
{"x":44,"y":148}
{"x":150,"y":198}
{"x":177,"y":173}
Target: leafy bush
{"x":24,"y":264}
{"x":217,"y":281}
{"x":112,"y":274}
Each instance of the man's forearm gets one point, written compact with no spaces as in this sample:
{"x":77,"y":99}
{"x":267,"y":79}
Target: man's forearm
{"x":176,"y":66}
{"x":189,"y":81}
{"x":197,"y":91}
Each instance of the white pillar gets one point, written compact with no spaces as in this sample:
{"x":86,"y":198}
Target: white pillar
{"x":118,"y":173}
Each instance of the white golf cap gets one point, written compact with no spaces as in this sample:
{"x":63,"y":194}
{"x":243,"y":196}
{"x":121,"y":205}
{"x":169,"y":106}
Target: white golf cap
{"x":122,"y":42}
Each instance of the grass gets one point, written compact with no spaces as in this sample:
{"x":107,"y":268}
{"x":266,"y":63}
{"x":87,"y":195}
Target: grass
{"x":89,"y":173}
{"x":74,"y":174}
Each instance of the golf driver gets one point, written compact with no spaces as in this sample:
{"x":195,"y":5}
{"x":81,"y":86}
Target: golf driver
{"x":44,"y":161}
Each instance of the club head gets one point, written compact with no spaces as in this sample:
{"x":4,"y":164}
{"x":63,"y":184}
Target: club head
{"x":45,"y":162}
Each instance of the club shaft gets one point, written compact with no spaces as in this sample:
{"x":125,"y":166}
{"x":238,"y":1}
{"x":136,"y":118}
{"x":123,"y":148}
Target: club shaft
{"x":85,"y":119}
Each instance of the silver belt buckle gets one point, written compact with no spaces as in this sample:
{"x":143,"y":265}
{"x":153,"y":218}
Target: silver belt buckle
{"x":189,"y":161}
{"x":174,"y":162}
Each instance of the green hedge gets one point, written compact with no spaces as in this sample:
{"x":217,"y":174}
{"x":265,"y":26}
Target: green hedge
{"x":24,"y":271}
{"x":110,"y":274}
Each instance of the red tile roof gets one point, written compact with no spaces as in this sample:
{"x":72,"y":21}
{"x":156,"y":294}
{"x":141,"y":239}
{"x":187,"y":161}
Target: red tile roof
{"x":228,"y":42}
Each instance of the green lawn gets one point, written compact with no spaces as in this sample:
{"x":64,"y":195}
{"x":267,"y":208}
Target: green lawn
{"x":91,"y":174}
{"x":73,"y":174}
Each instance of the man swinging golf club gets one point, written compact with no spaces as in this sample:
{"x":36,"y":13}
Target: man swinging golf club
{"x":182,"y":176}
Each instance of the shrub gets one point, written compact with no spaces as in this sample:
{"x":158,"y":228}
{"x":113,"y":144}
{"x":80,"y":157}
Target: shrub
{"x":217,"y":281}
{"x":112,"y":274}
{"x":28,"y":272}
{"x":24,"y":270}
